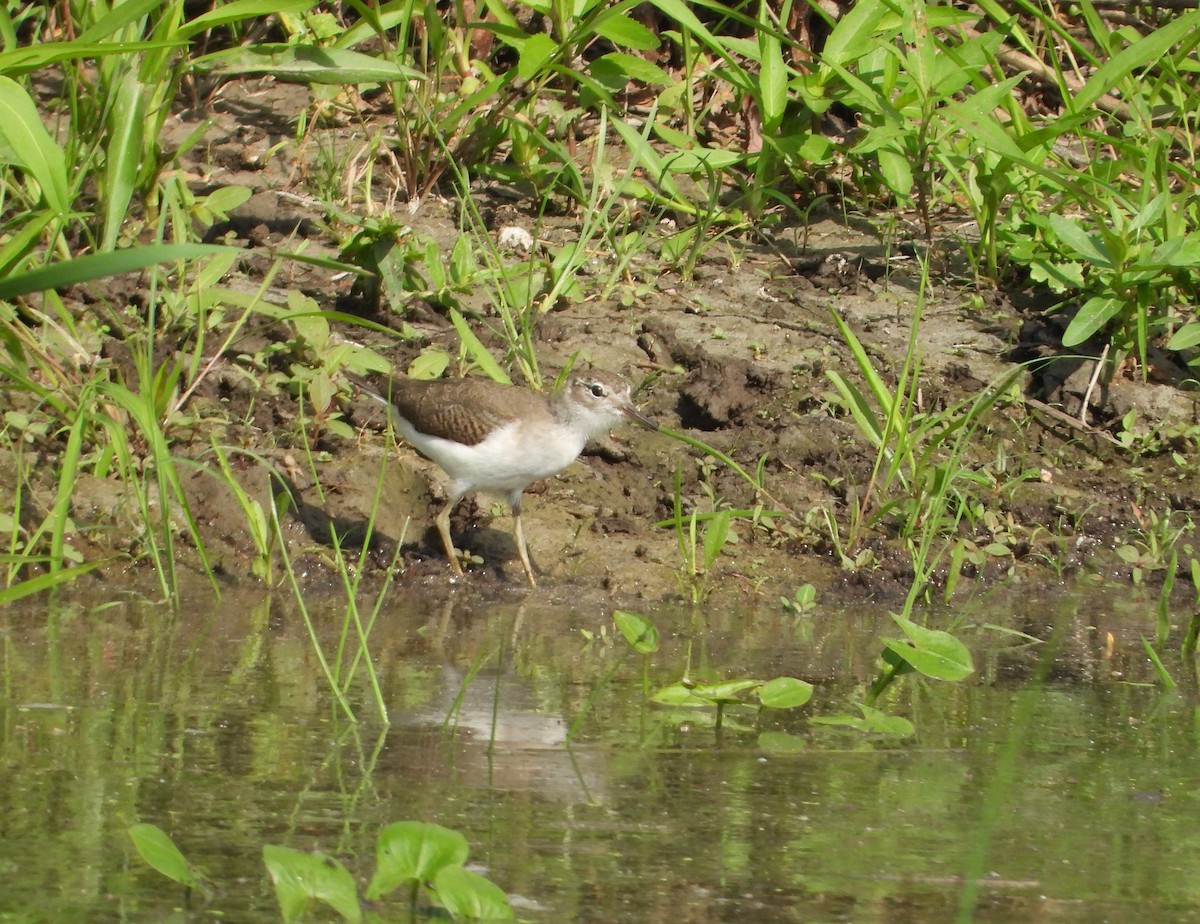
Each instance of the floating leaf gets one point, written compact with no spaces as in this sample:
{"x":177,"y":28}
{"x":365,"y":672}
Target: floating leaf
{"x":703,"y":694}
{"x":785,"y":693}
{"x":872,"y":721}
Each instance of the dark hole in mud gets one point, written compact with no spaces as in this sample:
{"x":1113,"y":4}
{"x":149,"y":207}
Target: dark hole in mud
{"x":694,"y":417}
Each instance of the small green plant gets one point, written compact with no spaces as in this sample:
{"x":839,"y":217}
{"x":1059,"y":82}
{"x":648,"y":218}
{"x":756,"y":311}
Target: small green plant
{"x":1128,"y":269}
{"x":933,"y":653}
{"x":420,"y":857}
{"x":778,"y":693}
{"x":698,"y":555}
{"x":1153,"y":546}
{"x":870,"y":721}
{"x":259,"y":525}
{"x":920,"y":485}
{"x":802,"y":602}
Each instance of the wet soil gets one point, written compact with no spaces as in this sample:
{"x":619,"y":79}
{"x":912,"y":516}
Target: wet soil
{"x":737,"y":357}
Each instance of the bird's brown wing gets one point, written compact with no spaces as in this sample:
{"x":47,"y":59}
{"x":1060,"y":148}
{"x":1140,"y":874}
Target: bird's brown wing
{"x":463,"y":410}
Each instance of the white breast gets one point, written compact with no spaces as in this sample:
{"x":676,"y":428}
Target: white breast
{"x":510,"y":459}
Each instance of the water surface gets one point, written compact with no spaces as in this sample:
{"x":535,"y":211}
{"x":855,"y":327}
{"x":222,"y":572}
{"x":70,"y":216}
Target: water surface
{"x":1041,"y":789}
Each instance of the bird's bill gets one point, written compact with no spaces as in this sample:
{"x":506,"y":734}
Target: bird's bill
{"x":638,"y":417}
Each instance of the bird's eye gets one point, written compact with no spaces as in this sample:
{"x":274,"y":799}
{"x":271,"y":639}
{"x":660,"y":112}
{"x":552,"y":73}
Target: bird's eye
{"x":596,"y":389}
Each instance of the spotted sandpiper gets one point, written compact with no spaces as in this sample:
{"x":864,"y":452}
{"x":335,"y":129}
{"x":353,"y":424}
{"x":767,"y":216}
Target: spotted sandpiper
{"x":499,"y":439}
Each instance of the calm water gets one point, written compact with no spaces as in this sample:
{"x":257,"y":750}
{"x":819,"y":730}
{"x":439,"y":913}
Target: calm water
{"x":1039,"y":791}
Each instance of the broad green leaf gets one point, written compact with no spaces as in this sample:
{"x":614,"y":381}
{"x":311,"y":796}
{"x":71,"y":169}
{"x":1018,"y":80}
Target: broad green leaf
{"x":536,"y":52}
{"x":976,"y":118}
{"x":716,"y":534}
{"x":853,"y":33}
{"x":34,"y":150}
{"x":691,"y":160}
{"x":410,"y":850}
{"x":727,"y":691}
{"x":628,"y":67}
{"x":1061,"y":277}
{"x":1178,"y":252}
{"x":224,"y":199}
{"x":301,"y":878}
{"x":806,"y":595}
{"x":306,"y":64}
{"x":785,"y":693}
{"x":99,"y":265}
{"x":469,"y":895}
{"x":685,"y":19}
{"x":932,"y":652}
{"x":1185,"y":338}
{"x":157,"y":849}
{"x":678,"y":694}
{"x":123,"y":152}
{"x":773,"y":79}
{"x":626,"y":32}
{"x":702,"y":695}
{"x":429,"y":364}
{"x":639,"y":631}
{"x":1090,"y":247}
{"x":1128,"y":554}
{"x":1091,"y":318}
{"x":897,"y":171}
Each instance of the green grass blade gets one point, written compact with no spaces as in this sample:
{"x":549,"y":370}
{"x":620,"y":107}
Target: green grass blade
{"x":43,"y":582}
{"x":1145,"y":51}
{"x":879,"y":388}
{"x":32,"y":147}
{"x":477,"y":351}
{"x":240,"y":10}
{"x":307,"y":64}
{"x":99,"y":265}
{"x":60,"y":513}
{"x":122,"y":154}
